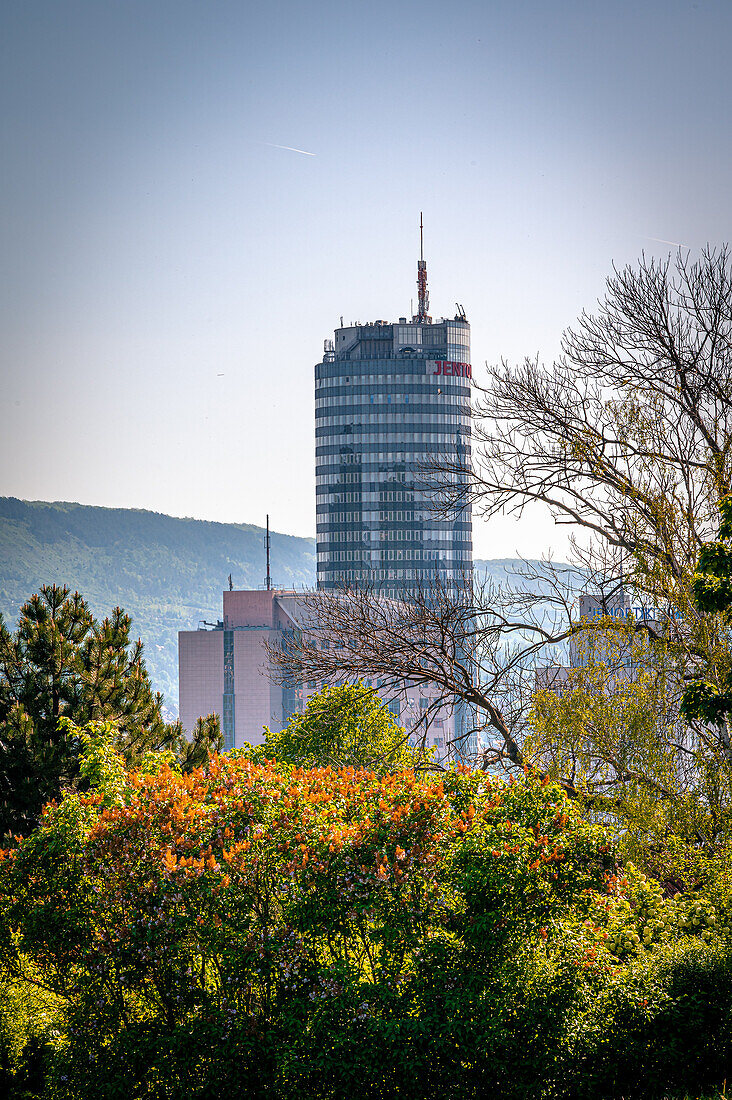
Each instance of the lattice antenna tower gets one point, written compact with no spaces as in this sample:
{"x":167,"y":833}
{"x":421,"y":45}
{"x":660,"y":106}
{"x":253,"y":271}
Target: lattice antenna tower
{"x":423,"y":297}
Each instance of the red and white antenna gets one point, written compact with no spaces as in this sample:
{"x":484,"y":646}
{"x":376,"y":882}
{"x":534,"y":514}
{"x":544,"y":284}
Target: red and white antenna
{"x":268,"y":578}
{"x":423,"y":297}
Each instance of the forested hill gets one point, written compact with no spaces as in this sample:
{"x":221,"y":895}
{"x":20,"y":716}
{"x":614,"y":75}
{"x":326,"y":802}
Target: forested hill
{"x":167,"y":573}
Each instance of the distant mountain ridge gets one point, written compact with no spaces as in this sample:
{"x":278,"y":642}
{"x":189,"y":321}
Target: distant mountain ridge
{"x":167,"y":573}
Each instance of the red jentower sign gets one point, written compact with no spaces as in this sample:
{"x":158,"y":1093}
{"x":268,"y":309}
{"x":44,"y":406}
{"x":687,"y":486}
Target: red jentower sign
{"x":446,"y":367}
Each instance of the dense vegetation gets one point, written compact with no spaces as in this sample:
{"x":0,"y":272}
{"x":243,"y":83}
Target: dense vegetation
{"x":183,"y":924}
{"x":260,"y":930}
{"x":348,"y":726}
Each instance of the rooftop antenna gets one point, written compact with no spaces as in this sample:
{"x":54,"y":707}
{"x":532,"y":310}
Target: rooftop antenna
{"x":268,"y":579}
{"x":423,"y":298}
{"x":231,"y":584}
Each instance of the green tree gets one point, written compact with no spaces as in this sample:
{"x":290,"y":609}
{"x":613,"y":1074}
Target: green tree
{"x":614,"y":725}
{"x":63,"y":663}
{"x":206,"y":740}
{"x":345,"y":726}
{"x":256,"y":931}
{"x":709,"y":698}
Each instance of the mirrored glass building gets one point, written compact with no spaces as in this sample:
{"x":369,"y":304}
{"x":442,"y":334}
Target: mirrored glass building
{"x":391,"y":399}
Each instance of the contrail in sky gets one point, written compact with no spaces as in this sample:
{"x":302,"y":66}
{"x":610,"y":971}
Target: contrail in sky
{"x":289,"y":148}
{"x":660,"y":240}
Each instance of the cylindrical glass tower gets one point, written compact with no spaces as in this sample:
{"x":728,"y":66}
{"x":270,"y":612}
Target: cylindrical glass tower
{"x":389,"y":400}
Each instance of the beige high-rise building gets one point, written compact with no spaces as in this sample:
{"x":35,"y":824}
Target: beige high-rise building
{"x":225,"y":670}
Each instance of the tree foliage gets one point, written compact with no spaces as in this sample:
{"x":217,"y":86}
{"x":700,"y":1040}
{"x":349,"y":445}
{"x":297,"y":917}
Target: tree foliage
{"x":627,"y":439}
{"x":613,"y":723}
{"x":709,"y":698}
{"x":342,"y":727}
{"x":195,"y":751}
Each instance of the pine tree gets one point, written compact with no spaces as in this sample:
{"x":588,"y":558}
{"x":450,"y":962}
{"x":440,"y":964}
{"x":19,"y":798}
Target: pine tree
{"x":62,"y":662}
{"x":205,"y":740}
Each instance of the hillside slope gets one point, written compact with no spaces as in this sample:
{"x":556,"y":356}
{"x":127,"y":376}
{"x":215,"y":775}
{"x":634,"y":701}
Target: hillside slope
{"x":167,"y":573}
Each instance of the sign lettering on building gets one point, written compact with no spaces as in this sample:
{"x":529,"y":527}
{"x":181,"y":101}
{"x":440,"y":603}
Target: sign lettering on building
{"x":656,"y":614}
{"x":447,"y":367}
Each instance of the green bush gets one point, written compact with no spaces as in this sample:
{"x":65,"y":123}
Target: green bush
{"x":29,"y":1019}
{"x":662,"y":1027}
{"x":257,"y":931}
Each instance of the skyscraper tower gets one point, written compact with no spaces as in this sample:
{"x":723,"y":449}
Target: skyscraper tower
{"x":391,"y":398}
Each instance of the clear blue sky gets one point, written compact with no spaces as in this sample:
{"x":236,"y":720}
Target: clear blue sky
{"x":169,"y":275}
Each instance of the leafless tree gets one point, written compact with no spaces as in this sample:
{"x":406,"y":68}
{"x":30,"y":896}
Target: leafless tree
{"x":471,"y":643}
{"x":627,"y":436}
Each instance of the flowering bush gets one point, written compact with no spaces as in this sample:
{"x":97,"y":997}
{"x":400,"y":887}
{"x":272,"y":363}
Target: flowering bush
{"x":279,"y":932}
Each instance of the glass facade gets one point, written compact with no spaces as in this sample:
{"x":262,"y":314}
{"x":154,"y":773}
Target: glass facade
{"x":390,"y":400}
{"x":228,"y":699}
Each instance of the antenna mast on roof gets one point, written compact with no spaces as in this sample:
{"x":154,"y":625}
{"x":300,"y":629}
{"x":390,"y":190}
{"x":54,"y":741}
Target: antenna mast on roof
{"x":423,"y":298}
{"x":268,"y":579}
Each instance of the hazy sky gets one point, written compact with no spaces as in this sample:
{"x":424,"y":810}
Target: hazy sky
{"x":169,"y":272}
